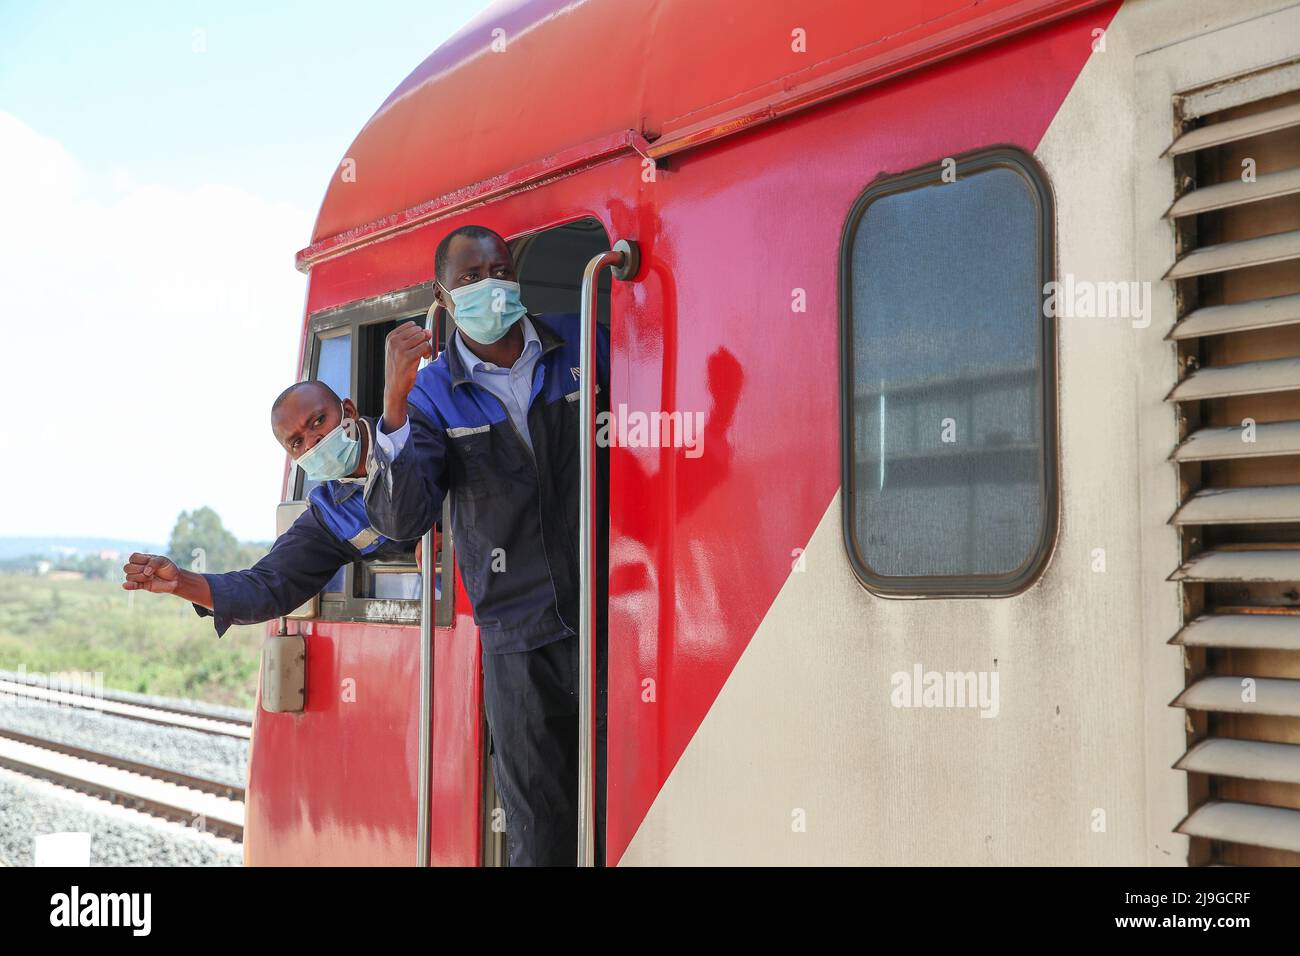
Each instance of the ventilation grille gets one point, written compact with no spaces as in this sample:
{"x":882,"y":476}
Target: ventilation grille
{"x":1237,"y":283}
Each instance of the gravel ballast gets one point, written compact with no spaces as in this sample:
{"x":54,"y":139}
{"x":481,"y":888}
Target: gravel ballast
{"x":215,"y":756}
{"x":119,"y":837}
{"x":131,"y":697}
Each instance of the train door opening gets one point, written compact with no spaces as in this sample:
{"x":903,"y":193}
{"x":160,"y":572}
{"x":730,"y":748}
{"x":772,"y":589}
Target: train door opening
{"x":550,"y":265}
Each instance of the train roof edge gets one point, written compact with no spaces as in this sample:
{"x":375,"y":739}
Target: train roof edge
{"x":569,"y":83}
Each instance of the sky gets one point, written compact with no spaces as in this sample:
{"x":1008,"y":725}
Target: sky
{"x":160,"y":164}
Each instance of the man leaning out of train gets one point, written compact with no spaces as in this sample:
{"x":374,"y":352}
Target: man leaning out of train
{"x":332,"y":444}
{"x":493,"y":424}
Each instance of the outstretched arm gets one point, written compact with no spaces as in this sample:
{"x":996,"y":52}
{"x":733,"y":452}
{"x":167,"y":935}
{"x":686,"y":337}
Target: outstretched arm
{"x":300,"y":563}
{"x":160,"y":575}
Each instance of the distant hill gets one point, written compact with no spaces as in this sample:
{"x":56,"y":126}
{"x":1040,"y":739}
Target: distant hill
{"x":59,"y":547}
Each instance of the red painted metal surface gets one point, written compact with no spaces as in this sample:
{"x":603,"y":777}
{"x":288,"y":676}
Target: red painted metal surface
{"x":533,"y":87}
{"x":336,"y":784}
{"x":699,"y":547}
{"x":340,"y":775}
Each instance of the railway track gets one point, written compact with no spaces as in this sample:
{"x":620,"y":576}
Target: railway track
{"x":210,"y":806}
{"x":109,"y":703}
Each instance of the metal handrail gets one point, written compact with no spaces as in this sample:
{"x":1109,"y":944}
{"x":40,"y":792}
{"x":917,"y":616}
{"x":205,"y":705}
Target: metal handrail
{"x":624,"y":261}
{"x":424,"y":791}
{"x":424,"y":799}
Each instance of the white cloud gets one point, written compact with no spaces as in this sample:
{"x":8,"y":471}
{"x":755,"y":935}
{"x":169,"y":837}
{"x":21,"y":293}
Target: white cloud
{"x":144,"y":331}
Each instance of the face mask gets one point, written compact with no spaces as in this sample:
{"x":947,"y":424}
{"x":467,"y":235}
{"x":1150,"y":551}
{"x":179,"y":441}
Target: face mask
{"x":335,"y":455}
{"x":486,"y":309}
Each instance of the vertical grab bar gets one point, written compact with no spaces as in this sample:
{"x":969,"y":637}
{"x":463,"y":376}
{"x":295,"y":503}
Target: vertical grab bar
{"x":426,"y":701}
{"x":624,"y":261}
{"x":424,"y":792}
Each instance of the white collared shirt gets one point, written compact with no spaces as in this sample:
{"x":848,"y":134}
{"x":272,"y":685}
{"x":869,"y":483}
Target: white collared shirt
{"x":513,"y":386}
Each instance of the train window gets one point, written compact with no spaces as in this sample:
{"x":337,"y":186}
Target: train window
{"x":334,"y":368}
{"x":334,"y":363}
{"x":947,"y":366}
{"x":348,"y":354}
{"x":370,"y":367}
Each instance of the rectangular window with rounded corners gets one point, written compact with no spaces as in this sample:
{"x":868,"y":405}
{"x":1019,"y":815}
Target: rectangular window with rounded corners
{"x":334,"y":368}
{"x":947,"y":369}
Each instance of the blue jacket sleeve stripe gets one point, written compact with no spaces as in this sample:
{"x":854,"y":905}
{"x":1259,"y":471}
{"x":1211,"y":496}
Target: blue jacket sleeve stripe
{"x":298,"y":566}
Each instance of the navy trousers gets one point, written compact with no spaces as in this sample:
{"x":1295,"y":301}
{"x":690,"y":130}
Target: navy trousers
{"x":532,"y":712}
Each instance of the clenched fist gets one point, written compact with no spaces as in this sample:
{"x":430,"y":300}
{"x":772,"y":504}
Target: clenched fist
{"x":151,"y":572}
{"x":404,"y":347}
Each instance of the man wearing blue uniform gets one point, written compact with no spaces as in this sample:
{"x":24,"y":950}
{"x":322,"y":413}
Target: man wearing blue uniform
{"x":332,"y":444}
{"x":494,"y":423}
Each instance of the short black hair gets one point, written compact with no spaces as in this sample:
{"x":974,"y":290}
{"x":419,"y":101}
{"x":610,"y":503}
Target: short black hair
{"x":469,"y":232}
{"x":297,"y":386}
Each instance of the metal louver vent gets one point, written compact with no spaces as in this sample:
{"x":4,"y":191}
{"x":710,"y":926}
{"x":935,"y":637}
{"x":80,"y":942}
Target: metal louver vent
{"x":1237,"y":281}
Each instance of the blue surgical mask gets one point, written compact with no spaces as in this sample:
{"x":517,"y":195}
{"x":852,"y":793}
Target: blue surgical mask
{"x":334,"y":456}
{"x":486,"y":309}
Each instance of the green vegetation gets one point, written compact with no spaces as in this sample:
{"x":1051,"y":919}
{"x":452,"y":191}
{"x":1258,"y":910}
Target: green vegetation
{"x":149,"y":643}
{"x":200,"y":542}
{"x":76,"y":617}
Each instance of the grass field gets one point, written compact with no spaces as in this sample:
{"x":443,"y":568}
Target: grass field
{"x":150,"y":643}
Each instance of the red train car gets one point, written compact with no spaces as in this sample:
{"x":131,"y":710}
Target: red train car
{"x":988,"y":315}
